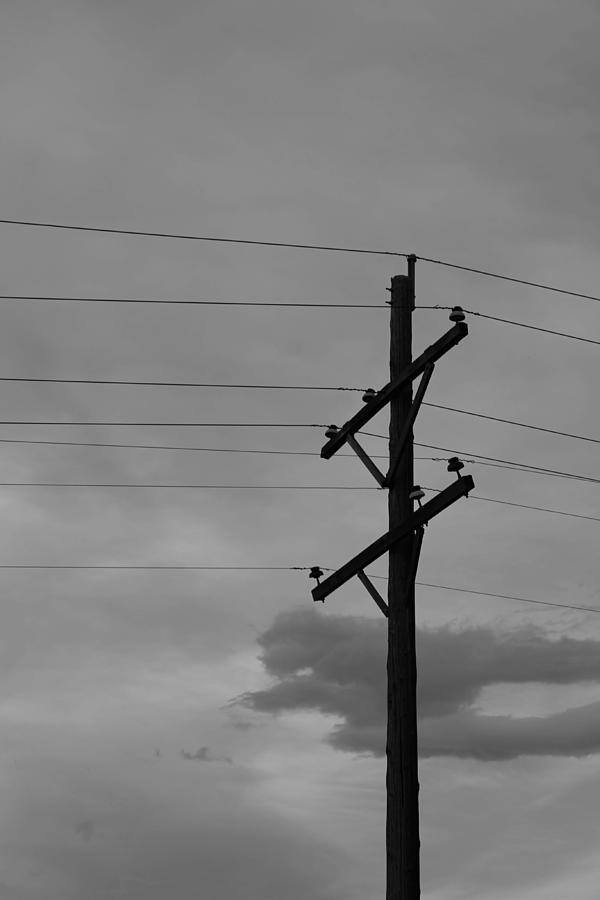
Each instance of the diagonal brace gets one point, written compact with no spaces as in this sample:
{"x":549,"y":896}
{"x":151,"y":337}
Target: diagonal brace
{"x":373,"y":592}
{"x":408,"y":424}
{"x":414,"y":558}
{"x":366,"y":459}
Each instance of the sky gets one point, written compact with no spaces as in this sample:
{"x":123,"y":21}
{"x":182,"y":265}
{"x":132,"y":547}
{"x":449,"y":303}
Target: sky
{"x":175,"y":734}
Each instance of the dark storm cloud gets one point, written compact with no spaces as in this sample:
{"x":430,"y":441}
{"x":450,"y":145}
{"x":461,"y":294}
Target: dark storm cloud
{"x":336,"y":665}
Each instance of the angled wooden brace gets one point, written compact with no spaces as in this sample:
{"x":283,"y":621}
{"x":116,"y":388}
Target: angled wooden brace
{"x":408,"y":424}
{"x":412,"y":573}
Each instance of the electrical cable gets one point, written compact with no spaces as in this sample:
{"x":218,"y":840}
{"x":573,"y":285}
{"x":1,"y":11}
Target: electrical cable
{"x":261,"y":303}
{"x":556,"y":512}
{"x":186,"y":568}
{"x":298,"y":246}
{"x":167,"y":424}
{"x":466,"y":412}
{"x":204,"y":487}
{"x":511,"y":278}
{"x":464,"y":455}
{"x":472,"y":312}
{"x":194,"y":384}
{"x":526,"y":467}
{"x":197,"y":237}
{"x":445,"y":587}
{"x":269,"y":487}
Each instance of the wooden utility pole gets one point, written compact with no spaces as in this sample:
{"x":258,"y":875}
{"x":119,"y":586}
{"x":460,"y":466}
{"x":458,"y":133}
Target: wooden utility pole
{"x":403,"y":543}
{"x":402,"y":782}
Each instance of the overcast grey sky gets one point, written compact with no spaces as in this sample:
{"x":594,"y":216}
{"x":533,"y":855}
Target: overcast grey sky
{"x":213,"y":734}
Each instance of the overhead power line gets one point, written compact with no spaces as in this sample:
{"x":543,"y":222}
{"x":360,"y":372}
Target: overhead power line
{"x":454,"y":409}
{"x":258,"y":303}
{"x":194,"y":384}
{"x":192,"y":568}
{"x":511,"y":278}
{"x":472,"y":312}
{"x":198,"y":237}
{"x":510,"y":464}
{"x":166,"y":424}
{"x":546,"y":509}
{"x":267,"y":487}
{"x":465,"y":412}
{"x":299,"y":246}
{"x":465,"y":455}
{"x":203,"y":487}
{"x":445,"y":587}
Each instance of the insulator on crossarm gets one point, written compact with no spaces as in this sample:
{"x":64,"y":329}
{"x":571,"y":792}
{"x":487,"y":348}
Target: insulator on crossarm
{"x":369,"y":395}
{"x":455,"y":465}
{"x":331,"y":431}
{"x":417,"y":493}
{"x":457,"y":314}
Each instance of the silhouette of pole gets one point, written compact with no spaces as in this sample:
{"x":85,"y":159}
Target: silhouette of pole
{"x":402,"y":784}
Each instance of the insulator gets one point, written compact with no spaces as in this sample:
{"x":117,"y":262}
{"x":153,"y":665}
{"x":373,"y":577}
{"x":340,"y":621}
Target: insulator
{"x":455,"y":464}
{"x":457,"y":314}
{"x":331,"y":431}
{"x":369,"y":395}
{"x":316,"y":572}
{"x":417,"y":493}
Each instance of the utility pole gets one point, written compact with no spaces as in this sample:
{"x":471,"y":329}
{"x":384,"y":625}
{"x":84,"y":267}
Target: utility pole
{"x":402,"y":780}
{"x":403,"y":543}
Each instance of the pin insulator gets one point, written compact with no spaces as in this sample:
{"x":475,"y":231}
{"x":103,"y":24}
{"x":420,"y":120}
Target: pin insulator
{"x":455,"y":464}
{"x":417,"y":493}
{"x":369,"y":395}
{"x":331,"y":431}
{"x":457,"y":314}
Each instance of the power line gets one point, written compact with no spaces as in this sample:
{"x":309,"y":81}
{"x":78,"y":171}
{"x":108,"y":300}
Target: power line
{"x":511,"y":278}
{"x":289,"y":424}
{"x":197,"y":237}
{"x":510,"y":466}
{"x":466,"y":412}
{"x":472,"y":312}
{"x":556,"y":512}
{"x":516,"y":468}
{"x":167,"y":424}
{"x":268,"y":487}
{"x":259,"y":303}
{"x":192,"y":568}
{"x":445,"y":587}
{"x":298,"y":246}
{"x":464,"y":454}
{"x":194,"y":384}
{"x":526,"y":466}
{"x":204,"y":487}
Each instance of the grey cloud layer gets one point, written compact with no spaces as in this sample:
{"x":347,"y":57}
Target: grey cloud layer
{"x":337,"y":666}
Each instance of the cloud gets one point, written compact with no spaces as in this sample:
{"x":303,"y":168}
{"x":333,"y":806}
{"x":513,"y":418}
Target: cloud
{"x":157,"y":832}
{"x":336,"y":665}
{"x":203,"y":755}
